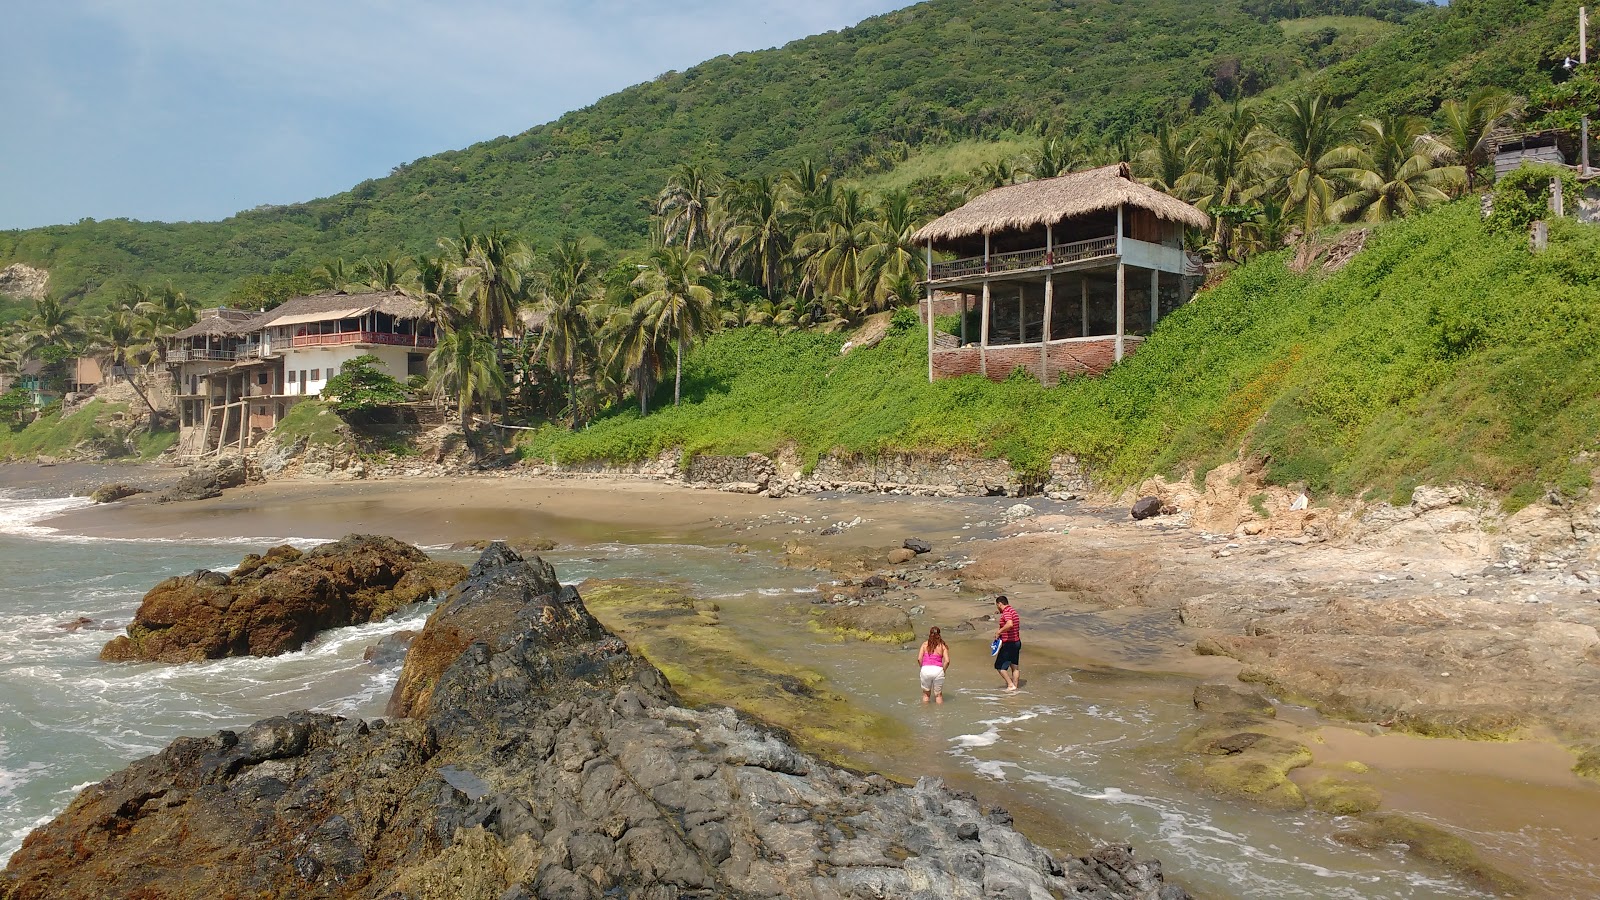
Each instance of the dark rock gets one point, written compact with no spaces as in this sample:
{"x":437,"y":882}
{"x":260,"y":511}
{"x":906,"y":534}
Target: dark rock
{"x":525,"y":545}
{"x":275,"y":603}
{"x":1146,"y":507}
{"x":391,"y":649}
{"x":918,"y":546}
{"x":75,"y":624}
{"x":1219,"y":698}
{"x":537,"y":757}
{"x":111,"y":493}
{"x":207,"y":481}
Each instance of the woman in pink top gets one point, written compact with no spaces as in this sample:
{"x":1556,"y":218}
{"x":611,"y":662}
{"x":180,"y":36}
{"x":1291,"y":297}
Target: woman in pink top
{"x":934,"y":656}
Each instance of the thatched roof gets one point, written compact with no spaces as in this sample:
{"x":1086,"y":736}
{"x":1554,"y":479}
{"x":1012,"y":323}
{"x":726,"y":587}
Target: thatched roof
{"x":339,"y":305}
{"x":1034,"y":204}
{"x":219,"y":322}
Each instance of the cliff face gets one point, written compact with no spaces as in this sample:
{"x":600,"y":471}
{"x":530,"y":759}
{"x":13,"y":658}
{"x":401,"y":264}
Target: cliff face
{"x":537,"y":758}
{"x":24,"y":282}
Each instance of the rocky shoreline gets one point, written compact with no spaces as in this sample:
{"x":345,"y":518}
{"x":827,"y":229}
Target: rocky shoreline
{"x":532,"y":754}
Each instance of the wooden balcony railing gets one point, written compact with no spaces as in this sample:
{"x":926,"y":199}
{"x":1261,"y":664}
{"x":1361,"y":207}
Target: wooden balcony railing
{"x":363,"y":337}
{"x":1018,"y":260}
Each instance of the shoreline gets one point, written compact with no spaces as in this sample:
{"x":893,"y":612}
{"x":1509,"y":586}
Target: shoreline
{"x":1147,"y":579}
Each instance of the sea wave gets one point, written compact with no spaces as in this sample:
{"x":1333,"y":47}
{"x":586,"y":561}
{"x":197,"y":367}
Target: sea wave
{"x":21,"y":516}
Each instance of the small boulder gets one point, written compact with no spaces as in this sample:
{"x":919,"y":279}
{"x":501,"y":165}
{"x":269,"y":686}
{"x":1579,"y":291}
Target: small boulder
{"x":391,"y":649}
{"x":1146,"y":507}
{"x":111,"y":493}
{"x":918,"y":546}
{"x":527,"y":546}
{"x":901,"y":555}
{"x":1020,"y":511}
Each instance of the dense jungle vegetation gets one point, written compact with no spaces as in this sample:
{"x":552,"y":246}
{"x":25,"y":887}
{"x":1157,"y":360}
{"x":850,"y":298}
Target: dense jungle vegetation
{"x":857,"y":101}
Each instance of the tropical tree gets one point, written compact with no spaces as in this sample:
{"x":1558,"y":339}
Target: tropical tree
{"x":53,"y":324}
{"x":334,"y":275}
{"x":491,"y":279}
{"x":463,"y":366}
{"x":1057,"y":154}
{"x":1229,"y":154}
{"x":388,"y":274}
{"x":636,"y":349}
{"x":1468,"y":126}
{"x":1397,"y":172}
{"x":433,"y":283}
{"x":891,"y":256}
{"x":1165,"y":160}
{"x":1310,"y":153}
{"x":831,"y":255}
{"x":162,"y":311}
{"x":119,"y":332}
{"x":685,"y":205}
{"x":677,"y":303}
{"x":569,"y":291}
{"x":759,"y":231}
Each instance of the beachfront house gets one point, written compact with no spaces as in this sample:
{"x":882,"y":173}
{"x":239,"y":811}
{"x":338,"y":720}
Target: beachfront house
{"x":239,"y":373}
{"x":1060,"y":276}
{"x":315,"y":336}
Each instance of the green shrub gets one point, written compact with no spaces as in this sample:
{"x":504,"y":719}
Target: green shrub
{"x":1523,"y":196}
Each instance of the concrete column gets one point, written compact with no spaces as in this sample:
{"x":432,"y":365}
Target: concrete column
{"x":983,"y":334}
{"x":930,"y":311}
{"x":1083,"y":281}
{"x":1044,"y":331}
{"x":1155,"y":297}
{"x":963,"y":319}
{"x":1122,"y":300}
{"x":1022,"y":315}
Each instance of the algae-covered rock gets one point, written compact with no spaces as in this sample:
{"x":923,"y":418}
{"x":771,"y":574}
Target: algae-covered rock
{"x":1433,"y":845}
{"x":868,"y":622}
{"x":1247,"y":765}
{"x":1588,"y":764}
{"x":275,"y":603}
{"x":1221,"y":698}
{"x":1342,"y":797}
{"x":111,"y":493}
{"x":1483,"y":723}
{"x":523,"y":545}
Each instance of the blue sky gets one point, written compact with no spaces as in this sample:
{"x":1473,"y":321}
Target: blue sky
{"x":195,"y":109}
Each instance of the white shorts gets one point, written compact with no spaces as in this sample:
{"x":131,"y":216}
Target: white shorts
{"x":933,"y":679}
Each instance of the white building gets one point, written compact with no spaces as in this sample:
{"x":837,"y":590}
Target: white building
{"x":315,"y":336}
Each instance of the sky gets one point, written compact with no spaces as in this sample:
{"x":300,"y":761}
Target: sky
{"x":179,"y":110}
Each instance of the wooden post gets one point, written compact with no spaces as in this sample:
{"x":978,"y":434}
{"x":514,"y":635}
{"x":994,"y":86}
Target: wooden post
{"x":1119,"y":229}
{"x":1044,"y":331}
{"x":1022,"y":314}
{"x":1558,"y":204}
{"x":1155,"y":297}
{"x":1539,"y":236}
{"x":983,"y":333}
{"x":930,"y":310}
{"x":1122,"y":296}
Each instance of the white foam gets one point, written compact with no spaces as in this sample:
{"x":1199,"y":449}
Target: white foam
{"x":21,"y":517}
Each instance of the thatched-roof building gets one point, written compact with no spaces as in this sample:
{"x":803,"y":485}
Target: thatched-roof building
{"x":1058,"y":276}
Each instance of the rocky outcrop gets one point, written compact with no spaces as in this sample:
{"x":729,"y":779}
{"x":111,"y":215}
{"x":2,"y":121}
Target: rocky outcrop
{"x":208,"y":480}
{"x":111,"y":493}
{"x":275,"y":603}
{"x":23,"y":282}
{"x":540,"y":759}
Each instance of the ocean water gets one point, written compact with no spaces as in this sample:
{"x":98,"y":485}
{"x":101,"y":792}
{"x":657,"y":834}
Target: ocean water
{"x":1075,"y":746}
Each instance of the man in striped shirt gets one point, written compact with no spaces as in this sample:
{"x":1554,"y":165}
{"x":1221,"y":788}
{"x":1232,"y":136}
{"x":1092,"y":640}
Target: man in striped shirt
{"x":1008,"y":661}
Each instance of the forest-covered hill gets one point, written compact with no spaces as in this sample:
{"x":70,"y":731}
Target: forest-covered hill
{"x":859,"y":100}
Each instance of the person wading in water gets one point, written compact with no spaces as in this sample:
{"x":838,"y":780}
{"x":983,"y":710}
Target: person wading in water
{"x":934,"y":657}
{"x":1008,"y":661}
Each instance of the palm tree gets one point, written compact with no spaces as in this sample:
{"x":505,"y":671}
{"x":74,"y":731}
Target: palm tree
{"x":568,"y":330}
{"x":679,"y":305}
{"x":463,"y":365}
{"x":332,"y":275}
{"x":1164,"y":162}
{"x":163,"y":311}
{"x":1057,"y":155}
{"x":636,"y":349}
{"x":53,"y":324}
{"x":685,"y":205}
{"x":1230,"y":155}
{"x":891,"y":255}
{"x":1397,"y":173}
{"x":832,"y":254}
{"x":991,"y":175}
{"x":385,"y":274}
{"x":1468,"y":126}
{"x":1310,"y":153}
{"x":490,"y":279}
{"x":810,"y":191}
{"x":759,"y":231}
{"x":119,"y":333}
{"x":432,"y":282}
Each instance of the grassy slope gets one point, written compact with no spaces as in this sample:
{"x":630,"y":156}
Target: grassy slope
{"x":933,"y":72}
{"x":55,"y":435}
{"x":1443,"y":352}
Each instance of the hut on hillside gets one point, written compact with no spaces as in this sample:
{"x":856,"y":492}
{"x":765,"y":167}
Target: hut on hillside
{"x":1063,"y":275}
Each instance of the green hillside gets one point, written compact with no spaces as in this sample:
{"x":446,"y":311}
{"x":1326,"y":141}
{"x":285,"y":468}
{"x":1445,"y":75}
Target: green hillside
{"x":859,"y":100}
{"x":1445,"y":351}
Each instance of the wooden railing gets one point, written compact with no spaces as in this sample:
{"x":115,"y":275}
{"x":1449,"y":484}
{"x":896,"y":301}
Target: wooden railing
{"x":1018,"y":260}
{"x":363,"y":337}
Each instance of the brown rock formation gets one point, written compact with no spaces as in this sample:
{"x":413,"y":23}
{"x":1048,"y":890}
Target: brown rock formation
{"x":275,"y":603}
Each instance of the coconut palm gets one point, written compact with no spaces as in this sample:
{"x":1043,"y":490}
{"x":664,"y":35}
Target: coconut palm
{"x":1468,"y":126}
{"x":1397,"y":173}
{"x":431,"y":281}
{"x":1310,"y":153}
{"x":384,"y":274}
{"x":1165,"y":160}
{"x":119,"y":333}
{"x":53,"y":324}
{"x":1229,"y":154}
{"x":831,"y":256}
{"x":334,"y":275}
{"x":685,"y":205}
{"x":491,"y":281}
{"x":162,"y":311}
{"x":463,"y":365}
{"x":809,"y":190}
{"x":1057,"y":154}
{"x":891,"y":255}
{"x":636,"y":350}
{"x":569,"y":291}
{"x":678,"y":303}
{"x":759,"y":231}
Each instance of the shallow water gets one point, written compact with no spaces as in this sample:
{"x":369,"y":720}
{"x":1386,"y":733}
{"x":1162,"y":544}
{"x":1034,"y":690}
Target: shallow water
{"x":1071,"y":754}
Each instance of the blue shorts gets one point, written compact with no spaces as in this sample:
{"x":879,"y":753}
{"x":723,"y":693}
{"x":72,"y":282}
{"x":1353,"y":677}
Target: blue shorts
{"x":1010,"y":655}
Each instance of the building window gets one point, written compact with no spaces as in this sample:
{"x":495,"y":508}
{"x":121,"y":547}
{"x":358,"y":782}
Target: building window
{"x":261,"y":410}
{"x":261,"y":378}
{"x":291,"y":376}
{"x":316,"y":374}
{"x":333,"y":371}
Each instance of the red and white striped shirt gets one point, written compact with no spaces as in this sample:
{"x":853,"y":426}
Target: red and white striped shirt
{"x":1010,"y":625}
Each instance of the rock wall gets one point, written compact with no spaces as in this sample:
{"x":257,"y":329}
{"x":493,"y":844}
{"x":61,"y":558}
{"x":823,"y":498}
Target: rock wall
{"x":24,"y":282}
{"x":542,"y":759}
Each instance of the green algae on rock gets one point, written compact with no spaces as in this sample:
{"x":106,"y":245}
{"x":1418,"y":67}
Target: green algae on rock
{"x":1341,"y":797}
{"x":1245,"y":764}
{"x":670,"y":627}
{"x":867,"y":622}
{"x":1434,"y":845}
